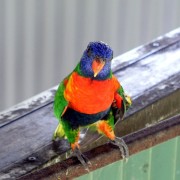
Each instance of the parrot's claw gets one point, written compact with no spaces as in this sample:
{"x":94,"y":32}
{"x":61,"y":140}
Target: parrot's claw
{"x":122,"y":146}
{"x":83,"y":159}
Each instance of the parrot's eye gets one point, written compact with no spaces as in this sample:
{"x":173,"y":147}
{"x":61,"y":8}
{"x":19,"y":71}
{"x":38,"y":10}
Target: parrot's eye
{"x":111,"y":57}
{"x":89,"y":52}
{"x":99,"y":60}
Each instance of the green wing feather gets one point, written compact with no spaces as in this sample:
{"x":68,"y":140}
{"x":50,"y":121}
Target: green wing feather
{"x":59,"y":106}
{"x":60,"y":102}
{"x":119,"y":113}
{"x":126,"y":99}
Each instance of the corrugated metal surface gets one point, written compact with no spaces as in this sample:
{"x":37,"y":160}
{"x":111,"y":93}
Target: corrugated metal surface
{"x":41,"y":41}
{"x":161,"y":162}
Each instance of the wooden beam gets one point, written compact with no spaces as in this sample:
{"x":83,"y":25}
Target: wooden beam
{"x":150,"y":74}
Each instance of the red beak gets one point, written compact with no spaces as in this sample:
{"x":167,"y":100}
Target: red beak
{"x":97,"y":65}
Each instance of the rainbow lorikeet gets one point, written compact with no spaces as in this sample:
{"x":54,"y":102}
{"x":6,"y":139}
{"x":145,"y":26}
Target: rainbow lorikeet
{"x":90,"y":95}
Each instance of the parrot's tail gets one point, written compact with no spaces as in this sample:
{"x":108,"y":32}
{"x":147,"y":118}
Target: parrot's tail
{"x":59,"y":132}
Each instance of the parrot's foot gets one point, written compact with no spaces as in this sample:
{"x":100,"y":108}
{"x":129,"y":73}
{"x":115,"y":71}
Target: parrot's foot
{"x":83,"y":159}
{"x":122,"y":146}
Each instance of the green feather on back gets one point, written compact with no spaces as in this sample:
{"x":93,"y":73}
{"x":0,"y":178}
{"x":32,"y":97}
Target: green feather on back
{"x":59,"y":106}
{"x":59,"y":101}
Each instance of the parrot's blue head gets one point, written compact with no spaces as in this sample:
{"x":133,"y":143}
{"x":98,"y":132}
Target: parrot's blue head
{"x":96,"y":61}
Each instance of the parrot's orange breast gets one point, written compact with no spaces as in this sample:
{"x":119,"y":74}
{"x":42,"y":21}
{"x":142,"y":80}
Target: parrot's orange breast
{"x":90,"y":96}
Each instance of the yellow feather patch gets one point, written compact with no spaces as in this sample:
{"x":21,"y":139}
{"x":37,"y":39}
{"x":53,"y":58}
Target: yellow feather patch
{"x":59,"y":132}
{"x":128,"y":99}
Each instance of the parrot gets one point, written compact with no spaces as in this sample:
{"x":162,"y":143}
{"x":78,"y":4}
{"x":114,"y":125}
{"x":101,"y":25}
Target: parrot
{"x":91,"y":95}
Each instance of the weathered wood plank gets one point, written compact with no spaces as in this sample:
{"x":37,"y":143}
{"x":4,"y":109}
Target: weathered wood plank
{"x":106,"y":154}
{"x":118,"y":63}
{"x":27,"y":129}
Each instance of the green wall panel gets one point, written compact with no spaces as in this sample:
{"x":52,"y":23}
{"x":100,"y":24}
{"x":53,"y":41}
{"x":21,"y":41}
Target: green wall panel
{"x":161,"y":162}
{"x":137,"y":167}
{"x":177,"y":168}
